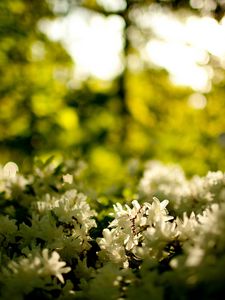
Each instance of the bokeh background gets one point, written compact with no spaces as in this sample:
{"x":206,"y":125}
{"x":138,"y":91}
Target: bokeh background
{"x":113,"y":83}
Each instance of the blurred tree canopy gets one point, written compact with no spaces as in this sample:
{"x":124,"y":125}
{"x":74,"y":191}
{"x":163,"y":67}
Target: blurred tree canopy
{"x":139,"y":115}
{"x":34,"y":72}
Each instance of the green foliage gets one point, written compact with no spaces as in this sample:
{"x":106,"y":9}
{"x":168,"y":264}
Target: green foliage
{"x":140,"y":114}
{"x":34,"y":72}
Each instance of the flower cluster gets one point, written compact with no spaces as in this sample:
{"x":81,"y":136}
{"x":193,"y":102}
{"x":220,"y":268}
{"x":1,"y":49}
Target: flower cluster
{"x":169,"y":182}
{"x":128,"y":234}
{"x":168,"y":243}
{"x":37,"y":270}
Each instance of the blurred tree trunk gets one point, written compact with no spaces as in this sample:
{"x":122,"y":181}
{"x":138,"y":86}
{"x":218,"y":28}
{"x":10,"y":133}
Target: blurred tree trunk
{"x":122,"y":80}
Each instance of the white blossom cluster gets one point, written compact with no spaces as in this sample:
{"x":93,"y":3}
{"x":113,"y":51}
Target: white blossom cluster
{"x":55,"y":245}
{"x":61,"y":223}
{"x":33,"y":271}
{"x":169,"y":182}
{"x":128,"y":234}
{"x":11,"y":182}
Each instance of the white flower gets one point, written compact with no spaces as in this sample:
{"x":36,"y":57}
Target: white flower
{"x":187,"y":227}
{"x":52,"y":265}
{"x":10,"y":170}
{"x":195,"y":256}
{"x":37,"y":266}
{"x":68,"y":178}
{"x":10,"y":181}
{"x":112,"y":246}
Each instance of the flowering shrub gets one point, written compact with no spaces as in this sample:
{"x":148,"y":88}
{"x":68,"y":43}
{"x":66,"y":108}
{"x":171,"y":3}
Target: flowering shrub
{"x":167,"y":243}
